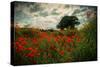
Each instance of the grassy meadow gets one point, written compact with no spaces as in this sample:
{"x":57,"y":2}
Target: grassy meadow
{"x":33,"y":46}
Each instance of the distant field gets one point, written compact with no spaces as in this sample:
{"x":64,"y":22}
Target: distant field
{"x":33,"y":46}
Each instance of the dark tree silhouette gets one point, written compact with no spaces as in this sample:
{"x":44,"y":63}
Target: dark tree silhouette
{"x":68,"y":21}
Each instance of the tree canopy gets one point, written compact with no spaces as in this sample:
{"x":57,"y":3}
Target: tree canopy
{"x":68,"y":21}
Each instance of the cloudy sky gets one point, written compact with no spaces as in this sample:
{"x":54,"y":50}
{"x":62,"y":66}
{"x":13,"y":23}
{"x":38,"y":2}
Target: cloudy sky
{"x":48,"y":15}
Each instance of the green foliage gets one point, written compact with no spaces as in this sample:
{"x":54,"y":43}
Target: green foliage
{"x":87,"y":49}
{"x":57,"y":46}
{"x":68,"y":22}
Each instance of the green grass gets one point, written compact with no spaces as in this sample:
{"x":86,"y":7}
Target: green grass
{"x":57,"y":46}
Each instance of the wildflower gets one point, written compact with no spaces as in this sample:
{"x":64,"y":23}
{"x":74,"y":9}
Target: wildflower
{"x":34,"y":41}
{"x":17,"y":43}
{"x":61,"y":53}
{"x":21,"y":39}
{"x":56,"y":39}
{"x":48,"y":39}
{"x":23,"y":42}
{"x":43,"y":34}
{"x":30,"y":48}
{"x":19,"y":48}
{"x":73,"y":36}
{"x":32,"y":53}
{"x":69,"y":40}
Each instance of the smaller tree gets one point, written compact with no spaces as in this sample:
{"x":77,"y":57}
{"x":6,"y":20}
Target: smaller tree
{"x":68,"y":21}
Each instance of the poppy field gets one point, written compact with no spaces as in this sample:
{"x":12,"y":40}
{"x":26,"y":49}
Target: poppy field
{"x":33,"y":46}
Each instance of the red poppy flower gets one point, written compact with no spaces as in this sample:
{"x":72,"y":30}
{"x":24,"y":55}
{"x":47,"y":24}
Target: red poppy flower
{"x":32,"y":53}
{"x":73,"y":36}
{"x":56,"y":39}
{"x":19,"y":48}
{"x":30,"y":48}
{"x":21,"y":39}
{"x":23,"y":42}
{"x":69,"y":39}
{"x":43,"y":35}
{"x":48,"y":39}
{"x":34,"y":41}
{"x":61,"y":53}
{"x":17,"y":43}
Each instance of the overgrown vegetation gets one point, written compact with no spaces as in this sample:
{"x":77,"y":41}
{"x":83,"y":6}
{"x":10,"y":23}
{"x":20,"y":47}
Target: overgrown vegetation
{"x":37,"y":47}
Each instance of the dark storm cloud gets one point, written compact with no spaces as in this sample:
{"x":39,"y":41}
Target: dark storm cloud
{"x":85,"y":8}
{"x":33,"y":7}
{"x":45,"y":15}
{"x":23,"y":11}
{"x":22,"y":17}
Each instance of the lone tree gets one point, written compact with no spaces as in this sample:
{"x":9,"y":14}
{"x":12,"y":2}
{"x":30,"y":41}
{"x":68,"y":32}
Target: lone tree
{"x":68,"y":21}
